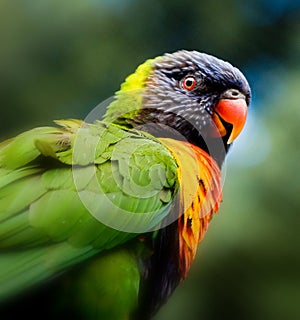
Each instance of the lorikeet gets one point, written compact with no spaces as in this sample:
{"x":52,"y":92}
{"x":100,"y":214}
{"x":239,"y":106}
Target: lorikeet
{"x":102,"y":220}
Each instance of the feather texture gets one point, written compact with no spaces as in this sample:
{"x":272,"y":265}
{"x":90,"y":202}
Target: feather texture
{"x":46,"y":225}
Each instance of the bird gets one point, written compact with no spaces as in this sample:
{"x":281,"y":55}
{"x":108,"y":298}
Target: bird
{"x":102,"y":219}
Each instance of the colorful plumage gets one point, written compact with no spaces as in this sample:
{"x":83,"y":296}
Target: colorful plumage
{"x":102,"y":220}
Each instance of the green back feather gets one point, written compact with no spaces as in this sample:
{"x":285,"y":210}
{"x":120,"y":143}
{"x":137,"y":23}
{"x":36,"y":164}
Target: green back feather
{"x":46,"y":225}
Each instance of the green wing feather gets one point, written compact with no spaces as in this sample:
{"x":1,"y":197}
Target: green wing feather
{"x":51,"y":179}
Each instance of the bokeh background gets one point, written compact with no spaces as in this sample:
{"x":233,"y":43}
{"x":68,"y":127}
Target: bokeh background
{"x":59,"y":59}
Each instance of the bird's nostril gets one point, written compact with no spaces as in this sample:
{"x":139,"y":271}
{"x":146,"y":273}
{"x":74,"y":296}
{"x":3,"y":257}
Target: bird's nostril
{"x":235,"y":93}
{"x":232,"y":94}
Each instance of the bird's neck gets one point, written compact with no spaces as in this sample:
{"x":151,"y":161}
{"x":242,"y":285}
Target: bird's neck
{"x":162,"y":124}
{"x":129,"y":99}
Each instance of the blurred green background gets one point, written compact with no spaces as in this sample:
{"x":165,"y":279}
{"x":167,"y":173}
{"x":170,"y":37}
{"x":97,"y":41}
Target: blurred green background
{"x":59,"y":59}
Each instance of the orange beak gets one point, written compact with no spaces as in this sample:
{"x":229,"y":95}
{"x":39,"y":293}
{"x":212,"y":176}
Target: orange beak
{"x":233,"y":111}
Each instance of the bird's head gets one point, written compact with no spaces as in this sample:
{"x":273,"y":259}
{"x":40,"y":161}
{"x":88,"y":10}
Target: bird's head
{"x":196,"y":95}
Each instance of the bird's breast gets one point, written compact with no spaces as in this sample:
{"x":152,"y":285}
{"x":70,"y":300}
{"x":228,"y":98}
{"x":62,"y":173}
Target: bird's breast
{"x":200,"y":194}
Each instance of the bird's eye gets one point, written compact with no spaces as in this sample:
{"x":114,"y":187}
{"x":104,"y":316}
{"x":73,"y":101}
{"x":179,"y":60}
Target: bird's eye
{"x":189,"y":83}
